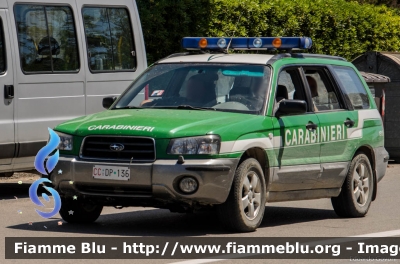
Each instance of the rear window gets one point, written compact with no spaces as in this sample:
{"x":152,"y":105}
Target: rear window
{"x":352,"y":87}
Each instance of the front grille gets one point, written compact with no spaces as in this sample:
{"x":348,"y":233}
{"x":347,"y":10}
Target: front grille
{"x":135,"y":148}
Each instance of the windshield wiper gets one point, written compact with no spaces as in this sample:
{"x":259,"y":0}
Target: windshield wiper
{"x":127,"y":107}
{"x":189,"y":107}
{"x":194,"y":108}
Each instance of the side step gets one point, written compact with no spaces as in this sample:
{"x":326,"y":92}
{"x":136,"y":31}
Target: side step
{"x":302,"y":195}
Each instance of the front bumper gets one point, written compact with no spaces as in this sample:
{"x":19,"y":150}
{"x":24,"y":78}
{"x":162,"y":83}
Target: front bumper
{"x":157,"y":181}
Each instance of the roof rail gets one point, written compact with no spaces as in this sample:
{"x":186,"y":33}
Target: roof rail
{"x":173,"y":55}
{"x":318,"y":56}
{"x":177,"y":55}
{"x":304,"y":55}
{"x":278,"y":57}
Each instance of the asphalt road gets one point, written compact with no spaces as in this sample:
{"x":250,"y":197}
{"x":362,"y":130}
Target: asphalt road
{"x":314,"y":218}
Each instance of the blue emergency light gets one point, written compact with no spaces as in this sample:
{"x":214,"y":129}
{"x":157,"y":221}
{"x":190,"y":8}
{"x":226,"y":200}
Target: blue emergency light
{"x":252,"y":43}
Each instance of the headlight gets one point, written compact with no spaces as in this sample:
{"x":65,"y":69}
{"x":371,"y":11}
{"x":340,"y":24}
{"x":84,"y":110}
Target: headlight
{"x":66,"y":141}
{"x":195,"y":145}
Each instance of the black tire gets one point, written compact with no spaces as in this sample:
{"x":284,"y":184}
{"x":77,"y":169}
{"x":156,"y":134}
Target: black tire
{"x":356,"y":196}
{"x":83,"y":211}
{"x":6,"y":174}
{"x":233,"y":214}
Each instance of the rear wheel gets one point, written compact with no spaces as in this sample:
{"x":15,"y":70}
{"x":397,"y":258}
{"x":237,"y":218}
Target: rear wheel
{"x":357,"y":190}
{"x":79,"y":211}
{"x":244,"y":209}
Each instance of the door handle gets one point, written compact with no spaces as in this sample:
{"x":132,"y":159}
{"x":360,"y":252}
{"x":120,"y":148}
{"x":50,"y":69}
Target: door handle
{"x":311,"y":126}
{"x":8,"y":91}
{"x":349,"y":122}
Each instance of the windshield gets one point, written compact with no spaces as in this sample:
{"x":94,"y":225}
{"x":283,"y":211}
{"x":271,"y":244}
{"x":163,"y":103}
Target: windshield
{"x":222,"y":87}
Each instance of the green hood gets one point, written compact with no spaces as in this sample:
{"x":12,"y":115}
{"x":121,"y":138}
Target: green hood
{"x":164,"y":123}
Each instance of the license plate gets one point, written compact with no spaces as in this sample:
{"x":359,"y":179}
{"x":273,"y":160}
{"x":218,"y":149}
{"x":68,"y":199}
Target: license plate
{"x":111,"y":173}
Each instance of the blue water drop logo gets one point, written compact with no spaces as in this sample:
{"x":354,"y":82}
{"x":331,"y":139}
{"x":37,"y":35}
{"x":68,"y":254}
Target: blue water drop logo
{"x":35,"y":199}
{"x":45,"y":165}
{"x":45,"y":151}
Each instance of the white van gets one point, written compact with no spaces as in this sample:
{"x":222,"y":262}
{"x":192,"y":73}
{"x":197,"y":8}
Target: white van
{"x":58,"y":60}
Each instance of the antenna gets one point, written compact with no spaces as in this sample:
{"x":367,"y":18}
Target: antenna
{"x":233,"y":35}
{"x":227,"y":47}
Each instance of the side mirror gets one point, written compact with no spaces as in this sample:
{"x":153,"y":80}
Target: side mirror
{"x":291,"y":107}
{"x":108,"y":101}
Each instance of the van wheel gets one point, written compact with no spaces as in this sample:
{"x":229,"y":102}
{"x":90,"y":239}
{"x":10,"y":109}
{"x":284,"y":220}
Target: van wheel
{"x":356,"y":196}
{"x":6,"y":174}
{"x":79,"y":211}
{"x":244,"y":209}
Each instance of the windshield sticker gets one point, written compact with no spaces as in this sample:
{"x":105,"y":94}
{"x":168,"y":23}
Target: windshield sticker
{"x":157,"y":93}
{"x":121,"y":127}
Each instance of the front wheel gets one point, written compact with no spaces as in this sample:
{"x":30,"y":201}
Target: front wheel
{"x":356,"y":196}
{"x":79,"y":211}
{"x":244,"y":209}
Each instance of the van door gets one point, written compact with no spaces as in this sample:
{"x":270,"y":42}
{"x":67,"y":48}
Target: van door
{"x":7,"y":142}
{"x":114,"y":50}
{"x":49,"y":77}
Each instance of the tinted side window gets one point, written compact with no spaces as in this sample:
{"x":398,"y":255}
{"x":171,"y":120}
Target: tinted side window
{"x":322,"y":93}
{"x":47,"y":38}
{"x":285,"y":79}
{"x":290,"y":87}
{"x":109,"y":39}
{"x":352,"y":87}
{"x":3,"y":64}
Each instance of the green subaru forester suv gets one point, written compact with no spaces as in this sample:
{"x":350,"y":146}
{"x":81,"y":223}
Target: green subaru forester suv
{"x":227,"y":132}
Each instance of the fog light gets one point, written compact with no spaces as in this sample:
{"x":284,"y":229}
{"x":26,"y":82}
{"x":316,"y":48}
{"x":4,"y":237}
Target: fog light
{"x":188,"y":185}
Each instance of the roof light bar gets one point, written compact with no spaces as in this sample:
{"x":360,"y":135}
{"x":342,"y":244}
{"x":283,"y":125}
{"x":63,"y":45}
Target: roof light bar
{"x":252,"y":43}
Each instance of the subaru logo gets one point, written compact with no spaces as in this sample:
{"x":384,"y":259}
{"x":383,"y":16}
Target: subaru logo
{"x":117,"y":147}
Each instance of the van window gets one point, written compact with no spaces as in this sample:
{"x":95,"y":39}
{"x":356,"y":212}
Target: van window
{"x":2,"y":50}
{"x":47,"y":38}
{"x":352,"y":87}
{"x":109,"y":39}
